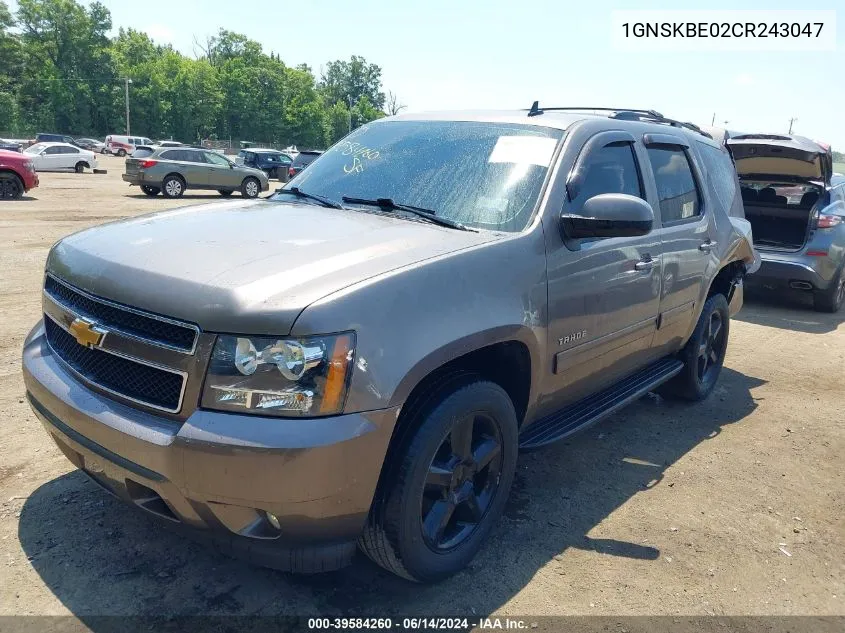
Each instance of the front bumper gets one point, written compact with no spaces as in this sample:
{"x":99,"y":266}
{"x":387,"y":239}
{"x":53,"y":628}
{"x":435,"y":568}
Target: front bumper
{"x":217,"y":475}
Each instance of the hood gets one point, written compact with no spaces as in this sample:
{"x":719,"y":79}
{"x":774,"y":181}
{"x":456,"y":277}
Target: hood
{"x":788,"y":158}
{"x":244,"y":266}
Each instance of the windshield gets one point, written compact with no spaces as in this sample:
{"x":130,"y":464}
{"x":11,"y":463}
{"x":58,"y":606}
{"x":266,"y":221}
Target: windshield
{"x":483,"y":175}
{"x":35,"y":149}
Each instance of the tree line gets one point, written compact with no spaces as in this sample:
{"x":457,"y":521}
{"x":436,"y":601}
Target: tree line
{"x":61,"y":72}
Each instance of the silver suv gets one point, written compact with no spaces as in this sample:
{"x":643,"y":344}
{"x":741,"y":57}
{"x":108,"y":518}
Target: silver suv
{"x":359,"y":359}
{"x":173,"y":170}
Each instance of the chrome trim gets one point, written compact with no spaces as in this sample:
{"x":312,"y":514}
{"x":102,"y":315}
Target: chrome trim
{"x":85,"y":379}
{"x":120,"y":306}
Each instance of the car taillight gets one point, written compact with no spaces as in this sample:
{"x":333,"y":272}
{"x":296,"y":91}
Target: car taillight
{"x":146,"y":164}
{"x":828,"y":220}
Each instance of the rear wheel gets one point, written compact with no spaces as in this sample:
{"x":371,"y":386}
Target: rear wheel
{"x":104,"y":151}
{"x":150,"y":191}
{"x":225,"y":192}
{"x":831,"y":300}
{"x":121,"y":153}
{"x":173,"y":187}
{"x":11,"y":186}
{"x":447,"y":485}
{"x":250,"y":188}
{"x":80,"y":167}
{"x":703,"y":355}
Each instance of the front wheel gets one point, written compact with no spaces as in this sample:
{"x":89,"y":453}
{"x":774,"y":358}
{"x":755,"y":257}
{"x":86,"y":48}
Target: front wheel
{"x":703,"y":355}
{"x":150,"y":191}
{"x":831,"y":300}
{"x":11,"y":186}
{"x":250,"y":188}
{"x":444,"y":490}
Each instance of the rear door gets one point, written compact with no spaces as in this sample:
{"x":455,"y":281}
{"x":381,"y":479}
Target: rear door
{"x":194,"y":167}
{"x":686,"y":230}
{"x":603,"y":292}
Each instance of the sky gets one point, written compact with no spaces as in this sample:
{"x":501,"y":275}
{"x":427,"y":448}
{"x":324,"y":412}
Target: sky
{"x":458,"y":54}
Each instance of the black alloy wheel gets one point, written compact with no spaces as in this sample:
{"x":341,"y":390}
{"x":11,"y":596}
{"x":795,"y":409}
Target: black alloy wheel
{"x":462,"y":480}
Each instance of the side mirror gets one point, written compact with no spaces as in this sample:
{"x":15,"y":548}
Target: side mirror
{"x":609,"y":215}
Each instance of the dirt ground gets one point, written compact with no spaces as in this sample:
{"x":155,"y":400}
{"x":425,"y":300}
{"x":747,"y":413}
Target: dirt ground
{"x":733,"y":506}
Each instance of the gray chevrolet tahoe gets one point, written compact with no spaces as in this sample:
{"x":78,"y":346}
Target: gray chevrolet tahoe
{"x":358,"y":359}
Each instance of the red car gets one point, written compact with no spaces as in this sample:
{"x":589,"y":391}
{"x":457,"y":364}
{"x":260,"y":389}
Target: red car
{"x":17,"y":175}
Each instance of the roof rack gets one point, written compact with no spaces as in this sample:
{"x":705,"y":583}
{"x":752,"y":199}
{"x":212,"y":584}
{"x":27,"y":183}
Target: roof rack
{"x":625,"y":114}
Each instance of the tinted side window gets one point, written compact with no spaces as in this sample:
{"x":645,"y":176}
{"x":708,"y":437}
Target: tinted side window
{"x":70,"y":150}
{"x":676,"y":188}
{"x":611,"y":169}
{"x":720,"y":173}
{"x":53,"y":149}
{"x":172,"y":154}
{"x":193,"y":156}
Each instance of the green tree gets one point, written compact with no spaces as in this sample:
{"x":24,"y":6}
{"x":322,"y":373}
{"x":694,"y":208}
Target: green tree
{"x":337,"y":123}
{"x":347,"y":82}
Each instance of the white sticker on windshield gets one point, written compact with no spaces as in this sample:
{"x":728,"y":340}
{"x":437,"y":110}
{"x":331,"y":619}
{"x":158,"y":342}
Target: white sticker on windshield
{"x":524,"y":150}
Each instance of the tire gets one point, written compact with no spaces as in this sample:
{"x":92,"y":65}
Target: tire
{"x":250,"y":187}
{"x":173,"y":187}
{"x":430,"y":517}
{"x":150,"y":191}
{"x":121,"y":153}
{"x":831,"y":300}
{"x":703,"y":355}
{"x":11,"y":186}
{"x":225,"y":192}
{"x":104,"y":151}
{"x":80,"y":167}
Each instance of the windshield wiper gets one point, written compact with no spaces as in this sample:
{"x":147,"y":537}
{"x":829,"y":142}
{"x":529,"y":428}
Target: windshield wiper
{"x":387,"y":204}
{"x":296,"y":191}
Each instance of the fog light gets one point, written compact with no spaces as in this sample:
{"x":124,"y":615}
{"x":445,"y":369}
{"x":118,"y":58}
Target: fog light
{"x":273,"y":520}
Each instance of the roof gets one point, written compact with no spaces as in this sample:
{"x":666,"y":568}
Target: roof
{"x":262,"y":150}
{"x":562,"y":119}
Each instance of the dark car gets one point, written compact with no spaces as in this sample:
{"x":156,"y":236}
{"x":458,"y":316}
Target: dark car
{"x":91,"y":144}
{"x":43,"y":137}
{"x":10,"y":146}
{"x":796,"y":207}
{"x":301,"y":161}
{"x":358,"y":360}
{"x":272,"y":162}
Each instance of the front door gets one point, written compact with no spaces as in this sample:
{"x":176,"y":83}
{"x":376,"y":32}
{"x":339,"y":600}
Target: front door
{"x":220,"y":172}
{"x":603,"y":293}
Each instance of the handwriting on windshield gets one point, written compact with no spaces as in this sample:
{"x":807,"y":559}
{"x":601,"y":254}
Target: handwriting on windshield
{"x":359,"y":155}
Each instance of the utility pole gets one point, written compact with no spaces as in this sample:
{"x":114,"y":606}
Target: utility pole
{"x":126,"y":82}
{"x":791,"y":121}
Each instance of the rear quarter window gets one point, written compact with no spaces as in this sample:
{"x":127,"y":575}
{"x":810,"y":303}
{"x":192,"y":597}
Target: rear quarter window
{"x":676,"y":186}
{"x":720,"y":174}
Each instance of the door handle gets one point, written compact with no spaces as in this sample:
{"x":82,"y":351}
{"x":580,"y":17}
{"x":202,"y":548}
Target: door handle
{"x":706,"y":247}
{"x":644,"y":265}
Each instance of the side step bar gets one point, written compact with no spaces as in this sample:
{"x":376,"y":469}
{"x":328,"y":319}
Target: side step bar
{"x":596,"y":407}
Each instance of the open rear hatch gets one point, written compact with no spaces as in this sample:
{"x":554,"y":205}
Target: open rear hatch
{"x":782,"y":180}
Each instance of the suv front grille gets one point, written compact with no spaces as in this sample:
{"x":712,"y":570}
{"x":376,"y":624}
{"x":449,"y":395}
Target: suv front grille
{"x":113,"y":316}
{"x":136,"y":381}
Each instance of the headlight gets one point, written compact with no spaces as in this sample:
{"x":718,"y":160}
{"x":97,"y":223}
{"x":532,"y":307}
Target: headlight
{"x":288,"y":377}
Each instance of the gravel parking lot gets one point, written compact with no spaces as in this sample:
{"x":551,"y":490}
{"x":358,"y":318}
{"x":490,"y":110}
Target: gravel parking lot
{"x":733,"y":506}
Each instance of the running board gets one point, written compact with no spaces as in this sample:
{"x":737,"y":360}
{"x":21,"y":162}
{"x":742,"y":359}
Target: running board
{"x":592,"y":409}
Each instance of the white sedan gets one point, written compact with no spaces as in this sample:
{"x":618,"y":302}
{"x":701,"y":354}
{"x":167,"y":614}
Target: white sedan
{"x":60,"y":156}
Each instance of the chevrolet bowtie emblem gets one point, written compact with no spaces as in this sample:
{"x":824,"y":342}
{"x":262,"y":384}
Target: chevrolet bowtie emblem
{"x":86,"y":333}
